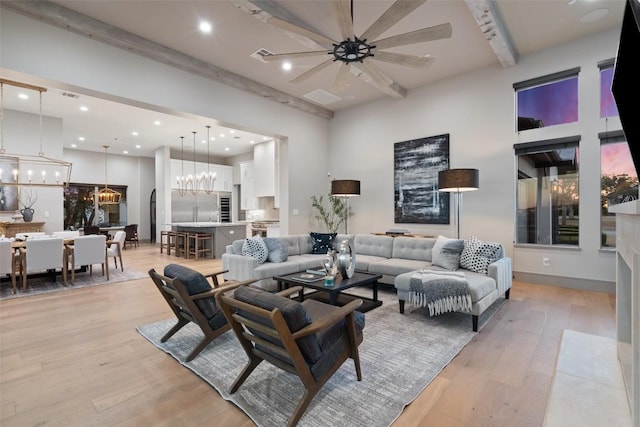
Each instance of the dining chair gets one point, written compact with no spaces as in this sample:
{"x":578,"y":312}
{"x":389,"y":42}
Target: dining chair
{"x":131,"y":231}
{"x":115,"y":248}
{"x":42,"y":254}
{"x":91,"y":229}
{"x":8,"y":259}
{"x":31,"y":235}
{"x":87,"y":250}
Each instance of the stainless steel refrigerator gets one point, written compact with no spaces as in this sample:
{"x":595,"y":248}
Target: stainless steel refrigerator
{"x":203,"y":207}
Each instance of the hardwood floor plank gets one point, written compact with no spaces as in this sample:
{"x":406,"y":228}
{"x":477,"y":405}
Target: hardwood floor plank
{"x":74,"y":358}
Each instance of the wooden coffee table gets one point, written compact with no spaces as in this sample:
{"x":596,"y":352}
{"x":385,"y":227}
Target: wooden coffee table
{"x":335,"y":295}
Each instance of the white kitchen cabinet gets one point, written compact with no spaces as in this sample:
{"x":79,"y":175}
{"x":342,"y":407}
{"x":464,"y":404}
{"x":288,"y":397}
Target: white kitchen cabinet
{"x":264,"y":167}
{"x":248,"y":200}
{"x":224,"y":177}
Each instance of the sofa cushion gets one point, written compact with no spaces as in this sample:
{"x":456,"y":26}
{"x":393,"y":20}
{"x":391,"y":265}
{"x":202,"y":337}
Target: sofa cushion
{"x":271,"y":269}
{"x":255,"y":248}
{"x":477,"y":255}
{"x":413,"y":248}
{"x":292,"y":245}
{"x":277,"y":249}
{"x":236,"y":247}
{"x":370,"y":244}
{"x":322,"y":242}
{"x":446,"y":253}
{"x":394,"y":266}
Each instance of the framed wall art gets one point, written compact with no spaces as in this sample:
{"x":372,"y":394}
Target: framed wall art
{"x":416,"y":166}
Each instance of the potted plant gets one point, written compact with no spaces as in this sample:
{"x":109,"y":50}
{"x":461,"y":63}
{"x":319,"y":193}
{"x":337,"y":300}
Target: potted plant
{"x":331,"y":215}
{"x":27,"y":200}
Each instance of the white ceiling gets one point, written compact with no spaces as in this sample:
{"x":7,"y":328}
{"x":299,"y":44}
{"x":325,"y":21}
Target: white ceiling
{"x":530,"y":24}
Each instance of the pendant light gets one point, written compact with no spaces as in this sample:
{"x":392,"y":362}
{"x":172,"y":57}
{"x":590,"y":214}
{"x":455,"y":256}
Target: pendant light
{"x":107,"y":196}
{"x":208,"y":177}
{"x":181,"y":179}
{"x":193,"y":181}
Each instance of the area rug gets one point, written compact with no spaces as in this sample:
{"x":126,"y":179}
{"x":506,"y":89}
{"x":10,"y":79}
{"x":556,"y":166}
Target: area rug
{"x":44,"y":284}
{"x":400,"y":355}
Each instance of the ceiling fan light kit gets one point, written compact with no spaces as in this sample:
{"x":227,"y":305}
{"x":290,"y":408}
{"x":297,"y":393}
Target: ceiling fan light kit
{"x":354,"y":49}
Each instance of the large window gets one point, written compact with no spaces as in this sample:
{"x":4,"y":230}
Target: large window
{"x":548,"y":192}
{"x":80,"y":209}
{"x":618,"y":179}
{"x":547,"y":101}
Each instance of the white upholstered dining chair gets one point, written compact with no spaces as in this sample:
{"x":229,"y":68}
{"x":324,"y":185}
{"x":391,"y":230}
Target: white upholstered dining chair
{"x":8,"y":261}
{"x":42,"y":255}
{"x":115,"y":248}
{"x":87,"y":250}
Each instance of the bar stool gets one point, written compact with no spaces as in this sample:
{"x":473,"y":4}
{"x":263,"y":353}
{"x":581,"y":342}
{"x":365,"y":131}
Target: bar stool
{"x":180,"y":244}
{"x":199,"y":244}
{"x":167,"y":241}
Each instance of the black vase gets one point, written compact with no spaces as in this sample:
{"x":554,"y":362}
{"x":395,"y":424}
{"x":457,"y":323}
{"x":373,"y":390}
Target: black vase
{"x":27,"y":214}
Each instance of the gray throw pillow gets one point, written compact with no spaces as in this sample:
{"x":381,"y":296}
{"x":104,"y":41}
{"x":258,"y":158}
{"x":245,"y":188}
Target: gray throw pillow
{"x":277,"y":249}
{"x":446,"y":253}
{"x":255,"y":248}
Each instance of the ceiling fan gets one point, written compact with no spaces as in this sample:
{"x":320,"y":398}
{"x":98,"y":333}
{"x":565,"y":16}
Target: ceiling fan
{"x":359,"y":51}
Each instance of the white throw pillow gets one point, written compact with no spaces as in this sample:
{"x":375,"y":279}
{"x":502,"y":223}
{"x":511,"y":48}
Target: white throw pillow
{"x":446,"y":253}
{"x":255,"y":248}
{"x":477,"y":255}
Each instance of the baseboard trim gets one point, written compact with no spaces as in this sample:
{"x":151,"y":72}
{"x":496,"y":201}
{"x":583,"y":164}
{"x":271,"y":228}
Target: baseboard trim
{"x":566,"y":282}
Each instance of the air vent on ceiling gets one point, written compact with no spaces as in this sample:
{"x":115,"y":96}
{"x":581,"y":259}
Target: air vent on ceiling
{"x":70,"y":95}
{"x":322,"y":97}
{"x":261,"y":53}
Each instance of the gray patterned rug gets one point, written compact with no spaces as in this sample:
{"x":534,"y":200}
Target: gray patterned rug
{"x":45,"y":284}
{"x":400,"y":355}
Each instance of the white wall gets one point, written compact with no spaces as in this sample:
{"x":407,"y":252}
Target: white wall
{"x":477,"y":110}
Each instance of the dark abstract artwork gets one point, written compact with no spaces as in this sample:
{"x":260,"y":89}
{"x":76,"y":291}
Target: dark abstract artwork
{"x":416,"y":166}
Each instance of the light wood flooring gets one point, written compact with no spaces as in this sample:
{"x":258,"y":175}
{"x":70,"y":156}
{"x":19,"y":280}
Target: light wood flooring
{"x":74,"y":358}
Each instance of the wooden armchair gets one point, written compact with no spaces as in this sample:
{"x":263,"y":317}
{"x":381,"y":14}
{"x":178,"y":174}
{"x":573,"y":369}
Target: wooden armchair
{"x":192,"y":299}
{"x":309,"y":339}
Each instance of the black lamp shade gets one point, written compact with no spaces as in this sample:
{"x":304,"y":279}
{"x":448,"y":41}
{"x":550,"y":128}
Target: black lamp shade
{"x":345,"y":187}
{"x":458,"y":180}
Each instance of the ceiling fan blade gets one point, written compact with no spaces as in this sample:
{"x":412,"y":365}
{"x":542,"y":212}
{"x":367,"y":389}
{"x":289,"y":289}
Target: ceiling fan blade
{"x":402,"y":59}
{"x":318,"y":38}
{"x":293,"y":55}
{"x":390,"y":17}
{"x":341,"y":78}
{"x":310,"y":72}
{"x":345,"y":20}
{"x":442,"y":31}
{"x":380,"y":78}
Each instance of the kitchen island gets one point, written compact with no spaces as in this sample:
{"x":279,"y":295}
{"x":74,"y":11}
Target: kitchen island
{"x":224,"y":233}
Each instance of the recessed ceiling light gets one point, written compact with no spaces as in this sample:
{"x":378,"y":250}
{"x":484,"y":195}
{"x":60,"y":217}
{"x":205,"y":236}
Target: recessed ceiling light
{"x":222,"y":135}
{"x":125,"y":152}
{"x":134,"y":133}
{"x":137,"y":145}
{"x":205,"y":27}
{"x":232,"y":131}
{"x":157,"y":122}
{"x":213,"y":138}
{"x":204,"y":141}
{"x":252,"y":142}
{"x":23,"y":96}
{"x":594,"y":15}
{"x":73,"y":145}
{"x":226,"y":148}
{"x":84,"y":108}
{"x":81,"y":138}
{"x":286,"y":66}
{"x":264,"y":138}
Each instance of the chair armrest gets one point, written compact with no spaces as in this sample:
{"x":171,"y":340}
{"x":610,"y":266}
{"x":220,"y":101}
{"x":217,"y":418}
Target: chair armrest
{"x":214,"y":276}
{"x":501,"y":271}
{"x":328,"y":320}
{"x":221,"y":289}
{"x":289,"y":291}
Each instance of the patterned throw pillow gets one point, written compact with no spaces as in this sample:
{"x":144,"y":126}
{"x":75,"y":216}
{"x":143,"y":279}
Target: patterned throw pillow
{"x":255,"y":248}
{"x":322,"y":242}
{"x":277,"y":249}
{"x":446,"y":253}
{"x":477,"y":255}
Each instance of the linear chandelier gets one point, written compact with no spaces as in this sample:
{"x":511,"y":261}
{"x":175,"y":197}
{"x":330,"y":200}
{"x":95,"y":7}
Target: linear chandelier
{"x":25,"y":169}
{"x":107,"y":196}
{"x":181,"y":179}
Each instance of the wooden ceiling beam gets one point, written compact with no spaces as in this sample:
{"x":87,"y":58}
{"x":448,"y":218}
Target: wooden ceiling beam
{"x":488,"y":19}
{"x":78,"y":23}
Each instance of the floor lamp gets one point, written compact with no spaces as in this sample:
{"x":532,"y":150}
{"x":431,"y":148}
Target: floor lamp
{"x":458,"y":181}
{"x":345,"y":188}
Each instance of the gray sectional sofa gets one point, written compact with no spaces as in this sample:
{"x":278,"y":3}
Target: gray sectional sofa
{"x":395,"y":258}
